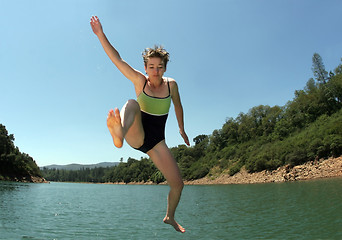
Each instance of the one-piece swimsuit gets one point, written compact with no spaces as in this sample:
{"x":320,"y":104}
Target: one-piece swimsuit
{"x":154,"y":113}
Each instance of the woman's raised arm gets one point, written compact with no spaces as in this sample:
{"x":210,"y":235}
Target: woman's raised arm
{"x":135,"y":76}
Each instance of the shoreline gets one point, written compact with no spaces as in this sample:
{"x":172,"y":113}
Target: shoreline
{"x":323,"y":168}
{"x":30,"y":179}
{"x":318,"y":169}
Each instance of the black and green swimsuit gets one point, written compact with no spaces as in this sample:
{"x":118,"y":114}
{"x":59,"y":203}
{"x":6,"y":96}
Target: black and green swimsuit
{"x":154,"y":113}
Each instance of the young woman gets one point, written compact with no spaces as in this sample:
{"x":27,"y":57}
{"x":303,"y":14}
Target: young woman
{"x":142,"y":123}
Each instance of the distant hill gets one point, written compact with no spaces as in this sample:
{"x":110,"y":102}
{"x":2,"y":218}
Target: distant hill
{"x":75,"y":166}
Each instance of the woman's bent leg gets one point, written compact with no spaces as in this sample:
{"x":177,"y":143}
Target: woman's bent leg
{"x":126,"y":125}
{"x":164,"y":161}
{"x":115,"y":127}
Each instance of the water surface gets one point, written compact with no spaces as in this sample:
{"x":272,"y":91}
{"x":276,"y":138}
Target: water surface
{"x":297,"y":210}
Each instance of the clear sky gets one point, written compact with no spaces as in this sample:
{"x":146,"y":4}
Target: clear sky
{"x":57,"y":85}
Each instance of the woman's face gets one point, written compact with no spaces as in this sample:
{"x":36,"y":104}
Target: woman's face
{"x":155,"y":68}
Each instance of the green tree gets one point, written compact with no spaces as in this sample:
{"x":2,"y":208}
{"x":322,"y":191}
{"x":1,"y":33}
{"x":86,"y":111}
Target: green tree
{"x":318,"y":69}
{"x":335,"y":85}
{"x":338,"y":69}
{"x":13,"y":163}
{"x":197,"y":140}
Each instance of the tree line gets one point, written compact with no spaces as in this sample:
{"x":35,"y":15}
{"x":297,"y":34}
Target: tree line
{"x":15,"y":165}
{"x":133,"y":170}
{"x":308,"y":127}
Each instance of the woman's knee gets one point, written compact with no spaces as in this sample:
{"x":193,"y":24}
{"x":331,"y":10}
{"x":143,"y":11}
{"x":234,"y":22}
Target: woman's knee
{"x":132,"y":104}
{"x":177,"y":185}
{"x":130,"y":107}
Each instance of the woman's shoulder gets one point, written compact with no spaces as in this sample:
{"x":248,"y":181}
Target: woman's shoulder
{"x":171,"y":81}
{"x":139,"y":84}
{"x":173,"y":85}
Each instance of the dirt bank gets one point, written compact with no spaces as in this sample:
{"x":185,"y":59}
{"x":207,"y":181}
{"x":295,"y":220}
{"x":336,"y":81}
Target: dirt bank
{"x":331,"y":167}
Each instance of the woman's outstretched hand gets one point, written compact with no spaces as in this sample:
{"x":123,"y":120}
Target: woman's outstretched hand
{"x":185,"y":137}
{"x":96,"y":25}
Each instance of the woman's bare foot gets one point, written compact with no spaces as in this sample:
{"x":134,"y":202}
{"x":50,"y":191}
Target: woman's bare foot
{"x":174,"y":224}
{"x":115,"y":128}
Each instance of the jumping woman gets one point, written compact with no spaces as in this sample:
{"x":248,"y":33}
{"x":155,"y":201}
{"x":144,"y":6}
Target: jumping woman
{"x":142,"y":122}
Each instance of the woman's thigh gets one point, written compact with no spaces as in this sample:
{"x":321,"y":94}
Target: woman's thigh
{"x":131,"y":123}
{"x":165,"y":162}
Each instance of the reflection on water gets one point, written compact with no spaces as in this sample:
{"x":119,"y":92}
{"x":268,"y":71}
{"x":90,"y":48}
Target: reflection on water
{"x":10,"y":186}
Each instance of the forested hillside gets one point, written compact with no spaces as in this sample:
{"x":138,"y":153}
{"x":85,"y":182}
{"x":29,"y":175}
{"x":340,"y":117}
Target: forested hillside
{"x":15,"y":165}
{"x":308,"y":127}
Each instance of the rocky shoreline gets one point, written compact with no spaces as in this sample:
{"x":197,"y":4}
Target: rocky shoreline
{"x":323,"y":168}
{"x":30,"y":179}
{"x":328,"y":168}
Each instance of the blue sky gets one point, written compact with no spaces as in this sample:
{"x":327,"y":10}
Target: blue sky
{"x":57,"y":85}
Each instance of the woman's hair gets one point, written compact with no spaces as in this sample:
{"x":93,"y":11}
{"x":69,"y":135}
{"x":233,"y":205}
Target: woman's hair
{"x":156,"y":51}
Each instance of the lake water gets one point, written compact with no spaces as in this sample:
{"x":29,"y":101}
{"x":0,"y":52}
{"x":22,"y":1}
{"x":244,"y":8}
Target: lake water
{"x":298,"y":210}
